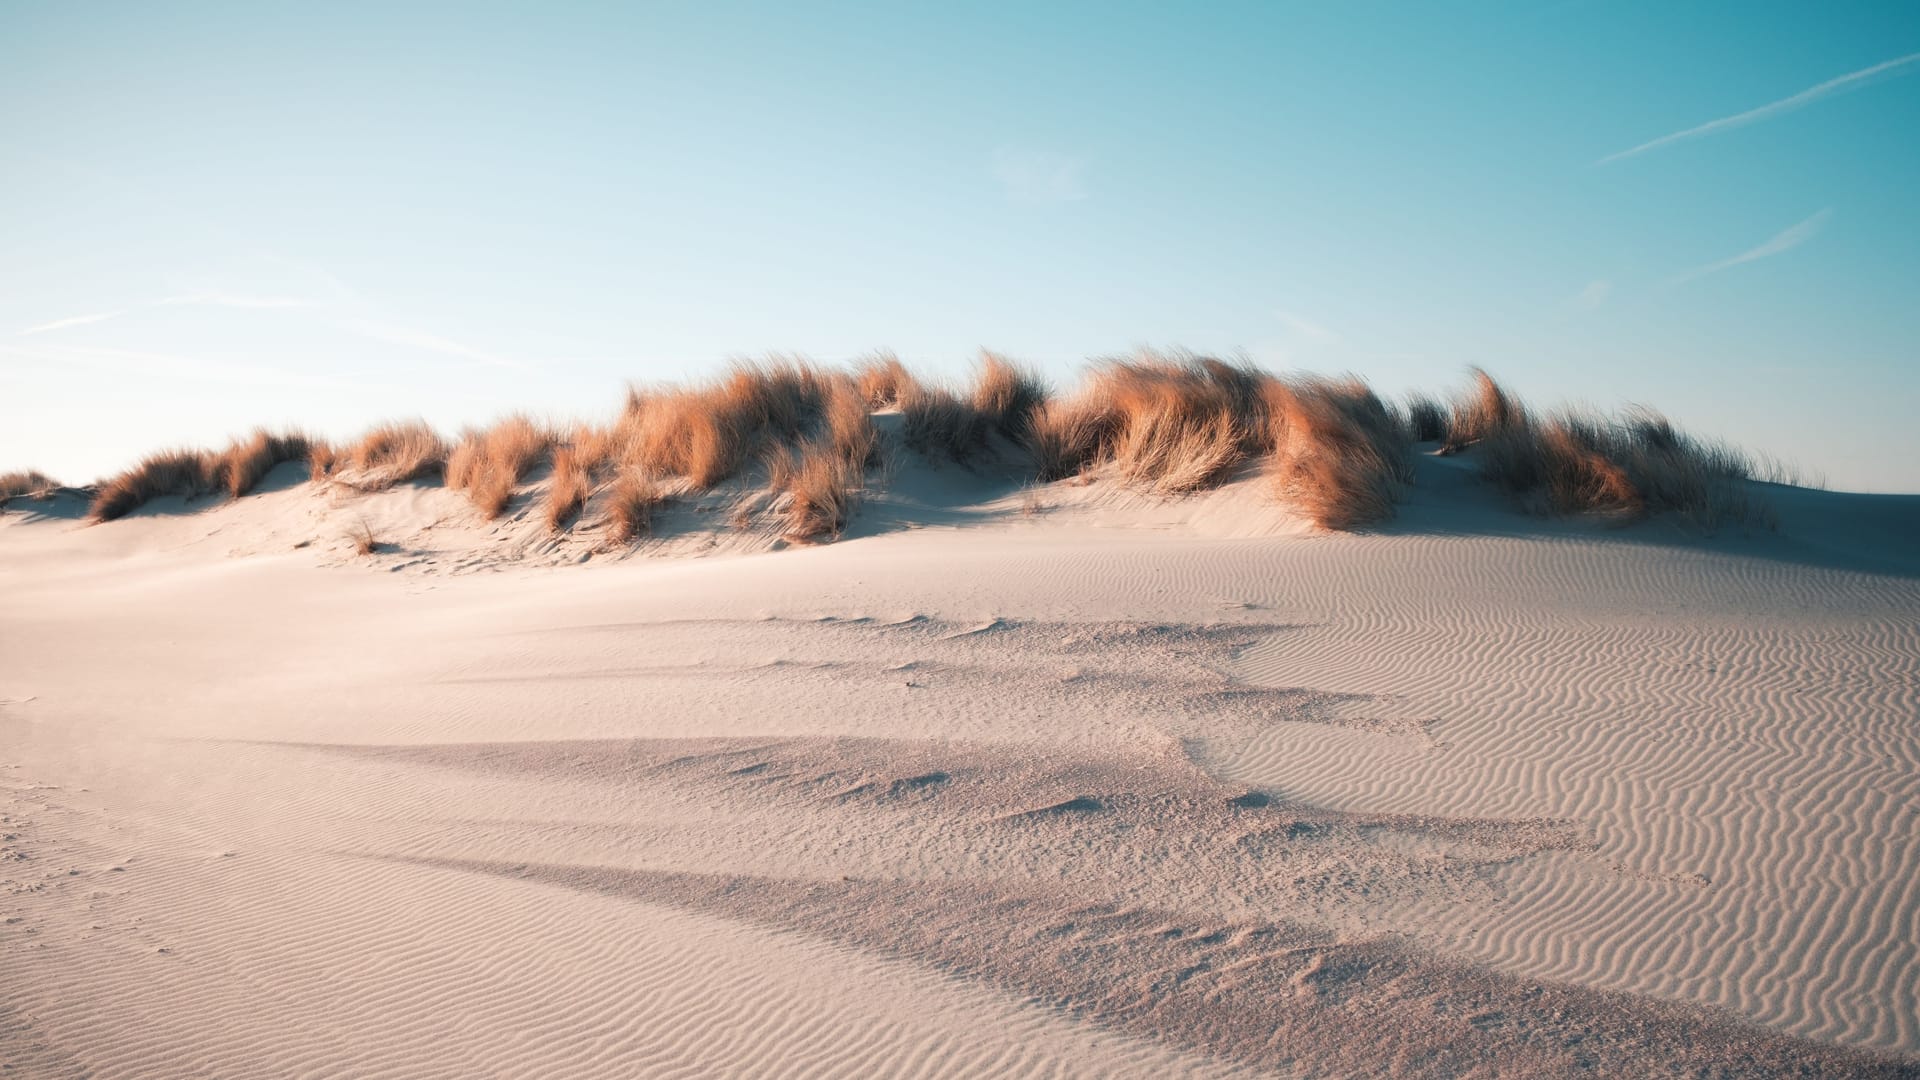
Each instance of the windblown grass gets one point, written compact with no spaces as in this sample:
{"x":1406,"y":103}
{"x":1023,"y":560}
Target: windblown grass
{"x":185,"y":472}
{"x":1626,"y":467}
{"x":823,"y":488}
{"x":389,"y":454}
{"x":1167,"y":424}
{"x":24,"y":482}
{"x":567,"y":492}
{"x":1484,"y":411}
{"x":883,"y":381}
{"x":1340,"y":455}
{"x":630,"y":507}
{"x":488,"y":463}
{"x":246,"y":462}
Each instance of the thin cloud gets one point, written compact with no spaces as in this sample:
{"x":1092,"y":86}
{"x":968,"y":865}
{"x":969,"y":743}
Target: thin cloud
{"x":1783,"y":241}
{"x":433,"y":343}
{"x":1594,"y":295}
{"x":235,"y":300}
{"x":76,"y":320}
{"x":1038,"y":176}
{"x":1307,"y":328}
{"x":1850,"y":81}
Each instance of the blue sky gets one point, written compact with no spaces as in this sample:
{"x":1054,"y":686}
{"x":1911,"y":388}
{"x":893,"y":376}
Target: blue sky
{"x":218,"y":215}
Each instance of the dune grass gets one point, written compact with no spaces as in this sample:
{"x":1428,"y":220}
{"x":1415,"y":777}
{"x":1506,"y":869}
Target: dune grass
{"x":487,"y":463}
{"x":567,"y":492}
{"x":184,"y":471}
{"x":245,"y":462}
{"x":630,"y":507}
{"x":1167,"y":424}
{"x":24,"y":482}
{"x":387,"y":454}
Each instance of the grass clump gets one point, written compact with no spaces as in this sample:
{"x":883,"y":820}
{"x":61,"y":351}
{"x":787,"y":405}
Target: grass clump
{"x":630,"y":507}
{"x":883,"y":381}
{"x":488,"y":463}
{"x":246,"y":462}
{"x":389,"y":454}
{"x":24,"y":482}
{"x":567,"y":493}
{"x":1340,"y":454}
{"x":1484,"y":411}
{"x":1005,"y":395}
{"x":823,"y":489}
{"x":184,"y":472}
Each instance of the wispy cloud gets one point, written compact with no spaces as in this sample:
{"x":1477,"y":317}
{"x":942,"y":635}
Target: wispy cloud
{"x":235,"y":300}
{"x":75,"y":320}
{"x":1850,"y":81}
{"x":1594,"y":295}
{"x":1301,"y":326}
{"x":1038,"y":176}
{"x":433,"y":343}
{"x":1783,"y":241}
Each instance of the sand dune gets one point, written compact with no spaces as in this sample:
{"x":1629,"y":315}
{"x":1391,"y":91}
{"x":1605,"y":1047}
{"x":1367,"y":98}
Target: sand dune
{"x":1070,"y":782}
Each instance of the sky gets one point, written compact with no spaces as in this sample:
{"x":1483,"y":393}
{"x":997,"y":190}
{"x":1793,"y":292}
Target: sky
{"x":220,"y":215}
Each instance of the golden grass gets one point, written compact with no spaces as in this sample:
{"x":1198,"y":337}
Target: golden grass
{"x":823,"y":489}
{"x":1166,"y":424}
{"x":321,"y":456}
{"x":389,"y":454}
{"x":24,"y":482}
{"x":487,"y":463}
{"x":567,"y":491}
{"x":1625,"y":467}
{"x":630,"y":507}
{"x":1482,"y":412}
{"x":1339,"y":453}
{"x":883,"y":381}
{"x":245,"y":462}
{"x":185,"y":472}
{"x":1005,"y":395}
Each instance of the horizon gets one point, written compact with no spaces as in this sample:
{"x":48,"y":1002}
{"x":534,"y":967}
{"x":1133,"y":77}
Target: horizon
{"x":224,"y":216}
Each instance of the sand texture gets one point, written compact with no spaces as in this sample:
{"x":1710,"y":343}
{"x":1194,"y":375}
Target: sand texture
{"x":1059,"y":783}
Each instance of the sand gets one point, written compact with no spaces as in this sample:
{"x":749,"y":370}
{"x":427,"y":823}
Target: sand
{"x":1068,"y":782}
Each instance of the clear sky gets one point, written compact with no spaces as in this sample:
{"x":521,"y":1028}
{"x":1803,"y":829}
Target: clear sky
{"x":216,"y":215}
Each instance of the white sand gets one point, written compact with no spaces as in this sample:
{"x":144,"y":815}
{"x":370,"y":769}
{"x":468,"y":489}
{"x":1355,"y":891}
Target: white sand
{"x":1078,"y":784}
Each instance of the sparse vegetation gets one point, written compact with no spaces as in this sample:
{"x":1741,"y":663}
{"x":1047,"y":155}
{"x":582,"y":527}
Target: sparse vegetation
{"x":389,"y":454}
{"x":364,"y":542}
{"x":488,"y":463}
{"x":247,"y":461}
{"x":567,"y":493}
{"x":24,"y":482}
{"x":184,"y":472}
{"x":630,"y":507}
{"x":823,"y":488}
{"x":1166,"y":424}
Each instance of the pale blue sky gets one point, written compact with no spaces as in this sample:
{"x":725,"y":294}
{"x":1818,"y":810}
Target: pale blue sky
{"x":215,"y":215}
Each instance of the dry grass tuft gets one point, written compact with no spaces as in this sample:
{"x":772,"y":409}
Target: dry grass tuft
{"x":24,"y":482}
{"x":938,"y":423}
{"x":1005,"y":395}
{"x":1581,"y":462}
{"x":884,"y":381}
{"x":184,"y":472}
{"x":567,"y":494}
{"x":849,"y":426}
{"x":823,"y":489}
{"x":486,"y":464}
{"x":245,"y":462}
{"x":392,"y":453}
{"x":630,"y":507}
{"x":1481,"y":413}
{"x":1340,"y":454}
{"x":321,"y":457}
{"x":705,"y":433}
{"x":361,"y":535}
{"x":1426,"y":419}
{"x":1168,"y":425}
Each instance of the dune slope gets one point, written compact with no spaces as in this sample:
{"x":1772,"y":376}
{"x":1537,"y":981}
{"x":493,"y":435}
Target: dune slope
{"x":1059,"y":784}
